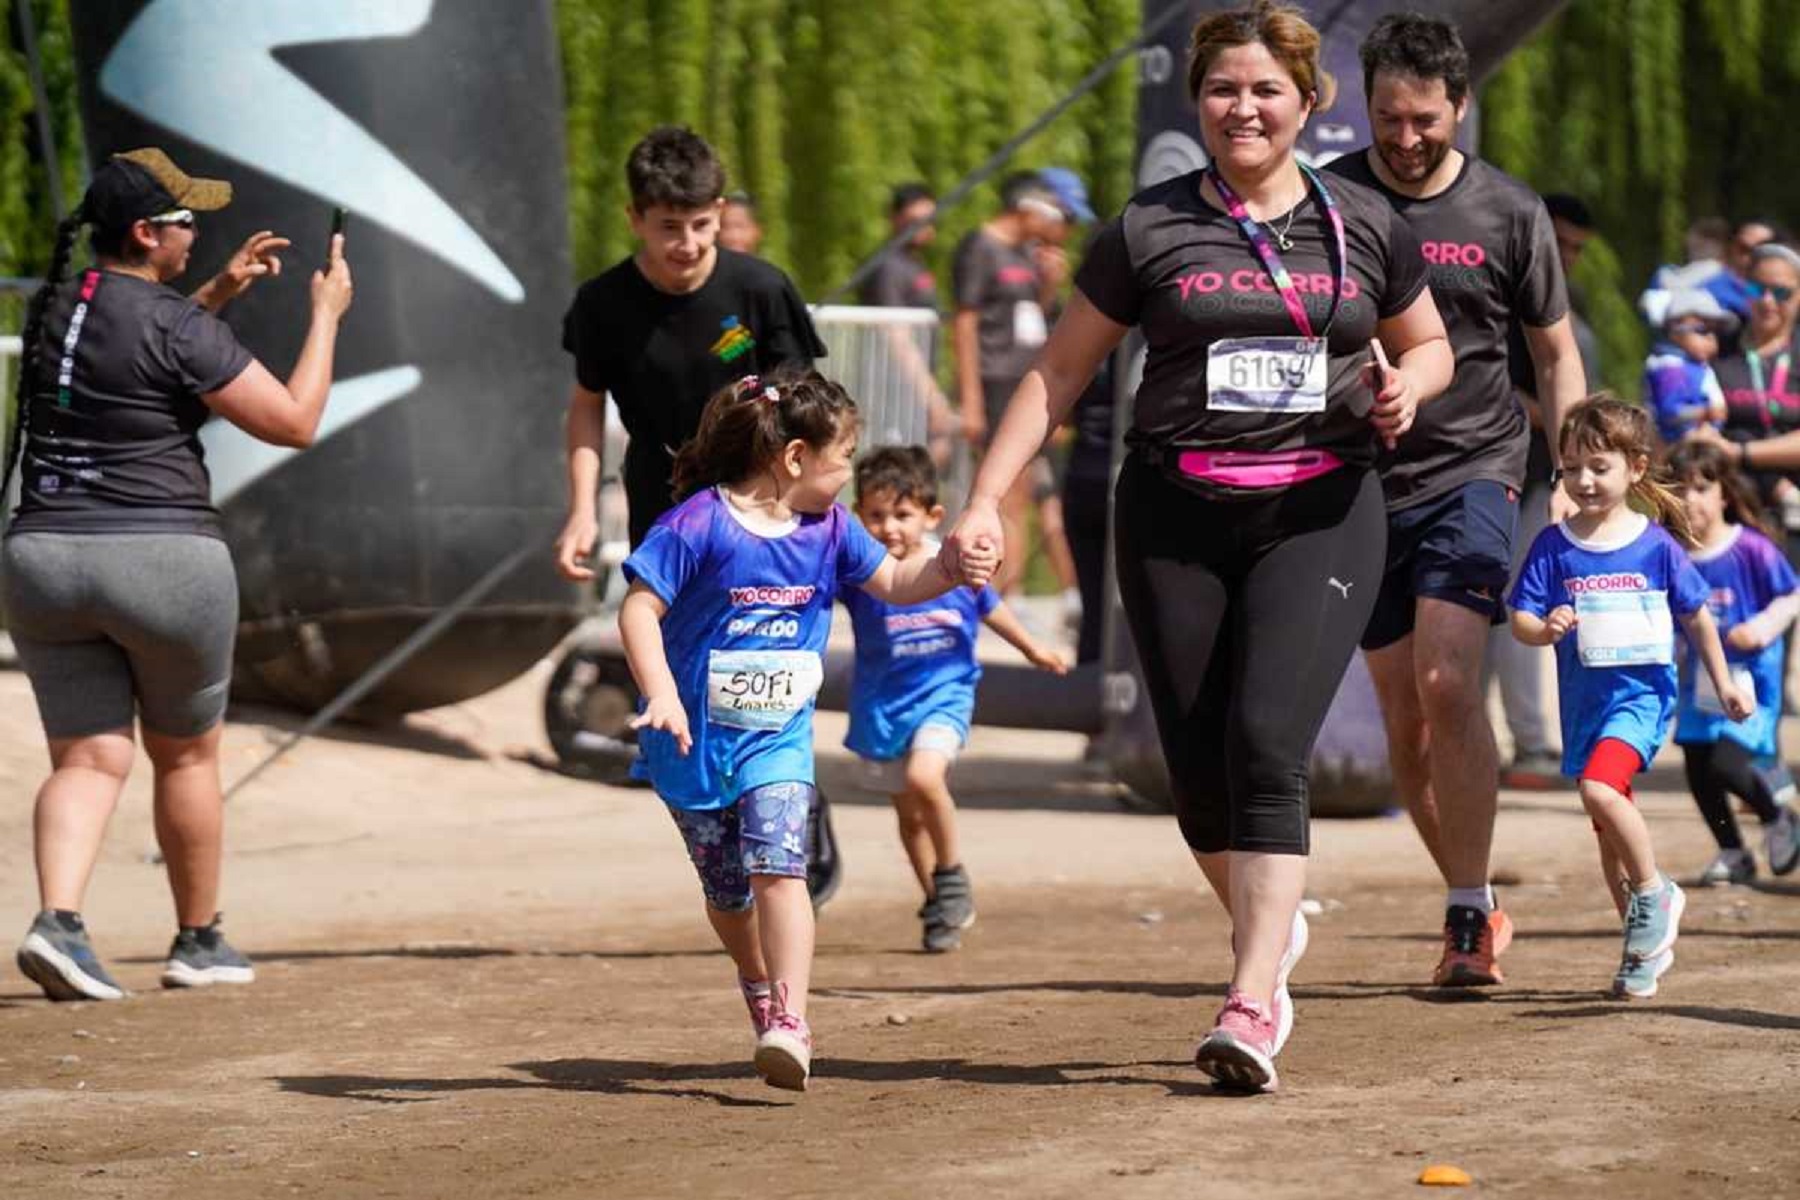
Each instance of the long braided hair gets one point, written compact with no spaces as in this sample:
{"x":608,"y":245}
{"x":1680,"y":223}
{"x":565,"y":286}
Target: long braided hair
{"x":30,"y":336}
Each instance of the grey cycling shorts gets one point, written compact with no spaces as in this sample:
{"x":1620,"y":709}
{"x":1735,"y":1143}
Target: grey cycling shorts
{"x":112,"y":626}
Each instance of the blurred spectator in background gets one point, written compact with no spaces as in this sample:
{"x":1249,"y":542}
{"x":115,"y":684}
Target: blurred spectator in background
{"x":1704,"y":247}
{"x":1731,"y":285}
{"x":999,"y":327}
{"x":1680,"y":389}
{"x":738,"y":227}
{"x":902,"y":279}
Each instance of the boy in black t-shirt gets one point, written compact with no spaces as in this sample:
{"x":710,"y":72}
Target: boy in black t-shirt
{"x":664,"y":329}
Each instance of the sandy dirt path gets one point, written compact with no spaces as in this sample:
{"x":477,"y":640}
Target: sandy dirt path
{"x":480,"y":977}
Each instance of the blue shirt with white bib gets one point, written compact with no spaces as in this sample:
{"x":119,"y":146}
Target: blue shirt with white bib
{"x":749,"y":616}
{"x":1615,"y":671}
{"x":1745,"y":576}
{"x":914,"y":663}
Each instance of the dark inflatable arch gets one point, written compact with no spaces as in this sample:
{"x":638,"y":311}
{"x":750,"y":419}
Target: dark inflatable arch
{"x":441,"y":132}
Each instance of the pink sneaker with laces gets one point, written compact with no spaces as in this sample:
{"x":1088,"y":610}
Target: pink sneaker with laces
{"x":758,"y":999}
{"x":784,"y":1048}
{"x":1239,"y":1053}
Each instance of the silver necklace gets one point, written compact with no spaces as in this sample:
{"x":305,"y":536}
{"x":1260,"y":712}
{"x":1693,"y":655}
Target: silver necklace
{"x":1282,"y":241}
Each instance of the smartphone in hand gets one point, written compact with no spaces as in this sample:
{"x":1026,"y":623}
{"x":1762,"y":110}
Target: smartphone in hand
{"x":340,"y":218}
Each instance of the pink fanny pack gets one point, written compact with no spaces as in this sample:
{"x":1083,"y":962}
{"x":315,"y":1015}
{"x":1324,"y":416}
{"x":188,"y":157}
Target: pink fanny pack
{"x":1251,"y":469}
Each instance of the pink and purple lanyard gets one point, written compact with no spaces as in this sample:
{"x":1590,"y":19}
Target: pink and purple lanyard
{"x":1271,"y":258}
{"x":1769,"y":396}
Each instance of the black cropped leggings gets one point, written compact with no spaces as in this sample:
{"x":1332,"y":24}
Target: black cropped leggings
{"x":1716,"y":771}
{"x":1245,"y":614}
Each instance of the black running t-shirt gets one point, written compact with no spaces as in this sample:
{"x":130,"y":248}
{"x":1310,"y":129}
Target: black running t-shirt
{"x":1000,"y":283}
{"x":899,"y":281}
{"x":112,"y":444}
{"x":662,"y":356}
{"x":1183,"y":271}
{"x":1492,"y":256}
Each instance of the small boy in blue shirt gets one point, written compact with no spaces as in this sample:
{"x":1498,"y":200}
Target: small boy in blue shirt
{"x":914,"y":688}
{"x":1680,"y":389}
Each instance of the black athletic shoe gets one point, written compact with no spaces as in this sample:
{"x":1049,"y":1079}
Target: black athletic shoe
{"x":824,"y":866}
{"x":57,"y":956}
{"x":202,"y":957}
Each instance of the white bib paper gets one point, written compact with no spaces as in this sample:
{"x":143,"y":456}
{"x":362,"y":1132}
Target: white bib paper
{"x":1624,"y":629}
{"x":1268,"y":374}
{"x":760,"y":689}
{"x":1029,"y":328}
{"x":1706,"y":696}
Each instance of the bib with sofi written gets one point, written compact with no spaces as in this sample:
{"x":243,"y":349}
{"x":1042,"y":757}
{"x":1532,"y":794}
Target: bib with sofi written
{"x":760,"y":689}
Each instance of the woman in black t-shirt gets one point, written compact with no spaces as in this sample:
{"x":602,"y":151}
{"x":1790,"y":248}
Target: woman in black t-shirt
{"x":120,"y":592}
{"x":1248,"y":518}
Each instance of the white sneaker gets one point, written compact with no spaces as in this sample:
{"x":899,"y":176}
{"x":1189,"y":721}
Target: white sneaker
{"x":1729,"y":867}
{"x":1299,"y":937}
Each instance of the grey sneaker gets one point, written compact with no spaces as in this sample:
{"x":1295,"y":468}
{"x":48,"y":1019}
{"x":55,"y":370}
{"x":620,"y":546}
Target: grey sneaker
{"x":1728,"y":867}
{"x":57,"y":956}
{"x":202,"y":957}
{"x":955,"y":900}
{"x":940,"y":936}
{"x":1637,"y":978}
{"x":1782,"y":841}
{"x":1653,"y":922}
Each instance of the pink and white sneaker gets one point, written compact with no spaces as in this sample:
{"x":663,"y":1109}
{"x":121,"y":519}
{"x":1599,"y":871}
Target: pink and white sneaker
{"x":759,"y":1000}
{"x":1299,"y":937}
{"x":784,"y":1052}
{"x":1239,"y":1053}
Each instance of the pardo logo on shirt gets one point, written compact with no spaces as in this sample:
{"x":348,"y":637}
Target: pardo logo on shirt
{"x":1620,"y":581}
{"x":786,"y":596}
{"x":930,"y":619}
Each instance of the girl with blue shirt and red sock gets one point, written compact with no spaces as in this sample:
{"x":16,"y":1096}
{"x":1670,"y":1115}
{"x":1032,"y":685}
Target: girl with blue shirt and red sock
{"x":725,"y":627}
{"x":1612,"y":577}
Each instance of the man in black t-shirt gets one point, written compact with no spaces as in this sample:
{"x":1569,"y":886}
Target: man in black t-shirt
{"x":999,"y":327}
{"x":663,"y":330}
{"x":1453,"y":484}
{"x":901,"y":279}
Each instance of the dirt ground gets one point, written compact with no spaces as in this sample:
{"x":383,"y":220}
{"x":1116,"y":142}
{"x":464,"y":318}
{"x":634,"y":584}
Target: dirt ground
{"x":477,"y":976}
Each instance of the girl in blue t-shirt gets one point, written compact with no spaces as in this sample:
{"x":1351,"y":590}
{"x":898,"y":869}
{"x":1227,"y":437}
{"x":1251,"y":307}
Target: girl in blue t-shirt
{"x":725,"y":627}
{"x":1754,"y":596}
{"x":1613,"y":577}
{"x":913,"y":693}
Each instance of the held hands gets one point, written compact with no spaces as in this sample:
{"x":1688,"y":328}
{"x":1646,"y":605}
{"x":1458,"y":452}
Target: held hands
{"x":666,"y":714}
{"x":1562,"y":505}
{"x":1559,"y":622}
{"x":975,"y":548}
{"x":575,"y":547}
{"x":1048,"y":660}
{"x":1396,"y":399}
{"x":332,"y":288}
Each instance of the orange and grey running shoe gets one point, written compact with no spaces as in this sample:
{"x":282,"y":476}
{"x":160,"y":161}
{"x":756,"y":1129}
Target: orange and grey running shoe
{"x":1473,"y":941}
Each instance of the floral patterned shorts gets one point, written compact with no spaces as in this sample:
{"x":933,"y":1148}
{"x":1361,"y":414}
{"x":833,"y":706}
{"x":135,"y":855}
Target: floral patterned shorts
{"x":764,"y":833}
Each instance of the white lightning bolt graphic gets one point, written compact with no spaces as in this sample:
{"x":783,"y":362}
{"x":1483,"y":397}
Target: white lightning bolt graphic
{"x":203,"y":69}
